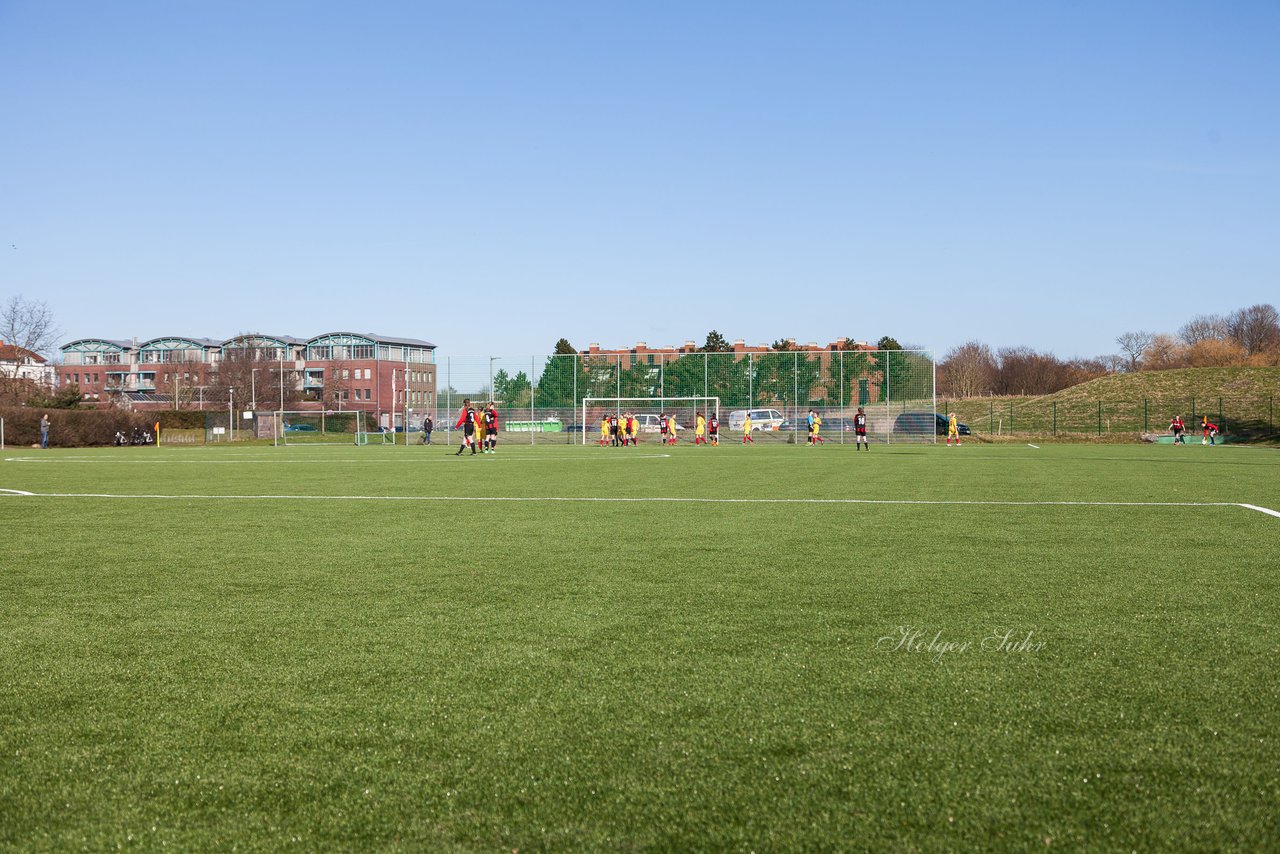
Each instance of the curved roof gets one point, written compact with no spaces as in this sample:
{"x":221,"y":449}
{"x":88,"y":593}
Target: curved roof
{"x":195,"y":342}
{"x":285,"y":340}
{"x":375,"y":338}
{"x":119,"y":345}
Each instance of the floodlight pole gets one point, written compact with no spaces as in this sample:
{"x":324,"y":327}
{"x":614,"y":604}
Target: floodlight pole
{"x":253,"y":388}
{"x":231,"y":413}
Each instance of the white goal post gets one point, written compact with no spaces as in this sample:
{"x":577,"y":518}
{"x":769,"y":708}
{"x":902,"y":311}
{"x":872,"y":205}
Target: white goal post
{"x":684,"y":409}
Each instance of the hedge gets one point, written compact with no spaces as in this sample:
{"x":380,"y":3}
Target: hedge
{"x":72,"y":428}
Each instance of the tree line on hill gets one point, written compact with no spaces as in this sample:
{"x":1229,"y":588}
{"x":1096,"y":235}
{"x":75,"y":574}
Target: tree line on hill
{"x":1247,"y":336}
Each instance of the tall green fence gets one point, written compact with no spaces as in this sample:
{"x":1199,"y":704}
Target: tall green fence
{"x":548,"y":391}
{"x":1246,"y":417}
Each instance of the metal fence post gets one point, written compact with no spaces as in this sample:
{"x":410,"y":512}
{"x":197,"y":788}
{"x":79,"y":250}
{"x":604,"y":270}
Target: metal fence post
{"x":1193,"y":407}
{"x":795,"y":386}
{"x":1055,"y":418}
{"x":991,"y":417}
{"x":1099,"y":417}
{"x":1011,"y":418}
{"x":840,"y":355}
{"x":1146,"y":424}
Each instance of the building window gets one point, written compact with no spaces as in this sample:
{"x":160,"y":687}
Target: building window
{"x":362,"y":351}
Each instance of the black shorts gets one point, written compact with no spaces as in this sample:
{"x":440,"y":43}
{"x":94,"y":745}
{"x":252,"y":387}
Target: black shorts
{"x":861,"y":431}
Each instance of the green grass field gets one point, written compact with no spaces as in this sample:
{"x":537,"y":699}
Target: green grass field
{"x":394,"y":648}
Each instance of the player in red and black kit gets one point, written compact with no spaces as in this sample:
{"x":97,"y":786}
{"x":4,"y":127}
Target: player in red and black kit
{"x":860,"y":431}
{"x":613,"y":430}
{"x":467,"y":421}
{"x":662,"y":427}
{"x":490,"y":418}
{"x":713,"y":429}
{"x":1178,"y":429}
{"x":1210,"y":431}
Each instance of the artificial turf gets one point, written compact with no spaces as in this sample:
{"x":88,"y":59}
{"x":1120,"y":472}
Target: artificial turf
{"x":362,"y":648}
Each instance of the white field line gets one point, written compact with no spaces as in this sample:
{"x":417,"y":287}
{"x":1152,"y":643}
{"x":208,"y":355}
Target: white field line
{"x":1029,"y":445}
{"x":563,"y":499}
{"x":442,"y":458}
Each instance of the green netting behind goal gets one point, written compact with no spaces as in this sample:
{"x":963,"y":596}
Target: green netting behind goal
{"x":319,"y":428}
{"x":539,"y":398}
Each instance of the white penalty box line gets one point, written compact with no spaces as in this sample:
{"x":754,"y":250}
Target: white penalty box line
{"x":584,"y":499}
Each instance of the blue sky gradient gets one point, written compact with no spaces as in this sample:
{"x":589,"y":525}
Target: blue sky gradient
{"x":493,"y":176}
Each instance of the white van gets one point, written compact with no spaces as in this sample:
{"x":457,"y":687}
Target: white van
{"x":652,"y":423}
{"x":761,"y":419}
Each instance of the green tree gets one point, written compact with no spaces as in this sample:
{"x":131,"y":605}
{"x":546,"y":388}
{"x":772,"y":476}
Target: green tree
{"x":716,"y":343}
{"x":66,"y":397}
{"x":888,"y":343}
{"x":512,"y":391}
{"x":564,"y":348}
{"x":784,"y":345}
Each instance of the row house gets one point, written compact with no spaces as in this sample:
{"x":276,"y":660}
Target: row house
{"x":337,"y":370}
{"x":641,"y":353}
{"x":19,"y":363}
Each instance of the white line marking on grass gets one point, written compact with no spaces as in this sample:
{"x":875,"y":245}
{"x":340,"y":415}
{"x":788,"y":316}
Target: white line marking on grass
{"x":1029,"y":445}
{"x":442,"y":458}
{"x":567,"y":499}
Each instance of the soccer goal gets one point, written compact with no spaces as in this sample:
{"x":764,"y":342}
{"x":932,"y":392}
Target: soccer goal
{"x":319,"y":428}
{"x":374,"y":437}
{"x":647,"y":412}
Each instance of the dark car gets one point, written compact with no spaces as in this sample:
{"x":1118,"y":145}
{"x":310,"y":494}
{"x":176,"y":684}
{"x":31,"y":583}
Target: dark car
{"x":301,"y":428}
{"x":917,"y":423}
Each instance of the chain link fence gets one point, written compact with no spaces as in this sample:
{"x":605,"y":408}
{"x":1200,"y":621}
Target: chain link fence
{"x":1245,"y":417}
{"x":539,"y":398}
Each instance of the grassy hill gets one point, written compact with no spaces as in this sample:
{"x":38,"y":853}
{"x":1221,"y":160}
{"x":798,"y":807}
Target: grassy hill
{"x":1243,"y":401}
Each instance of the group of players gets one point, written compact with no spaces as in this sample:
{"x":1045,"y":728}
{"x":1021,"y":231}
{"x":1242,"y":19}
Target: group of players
{"x":478,"y":426}
{"x":1179,"y":430}
{"x":618,"y":431}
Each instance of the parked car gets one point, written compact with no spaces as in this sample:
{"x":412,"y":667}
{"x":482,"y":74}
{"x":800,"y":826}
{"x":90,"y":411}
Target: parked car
{"x":761,"y":419}
{"x":301,"y":428}
{"x":652,"y":423}
{"x":917,"y":423}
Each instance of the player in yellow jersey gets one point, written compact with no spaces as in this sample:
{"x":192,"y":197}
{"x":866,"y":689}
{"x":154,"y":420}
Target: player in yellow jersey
{"x":604,"y":430}
{"x":953,"y":429}
{"x":699,"y":429}
{"x":746,"y":429}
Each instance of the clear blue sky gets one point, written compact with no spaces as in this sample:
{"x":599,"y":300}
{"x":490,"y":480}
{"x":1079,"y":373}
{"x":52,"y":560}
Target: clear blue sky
{"x":492,"y":176}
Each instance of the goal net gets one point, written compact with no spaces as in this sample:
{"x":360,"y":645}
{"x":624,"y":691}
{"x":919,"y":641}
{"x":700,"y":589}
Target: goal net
{"x":319,"y":428}
{"x":648,"y":413}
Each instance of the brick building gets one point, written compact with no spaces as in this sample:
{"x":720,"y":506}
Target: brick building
{"x":337,"y":370}
{"x":642,"y":353}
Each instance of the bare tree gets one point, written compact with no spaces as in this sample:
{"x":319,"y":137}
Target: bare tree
{"x":1112,"y":363}
{"x":1132,"y":344}
{"x":1203,"y":327}
{"x":967,"y":370}
{"x":1164,"y":352}
{"x":28,"y":324}
{"x":1256,"y":328}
